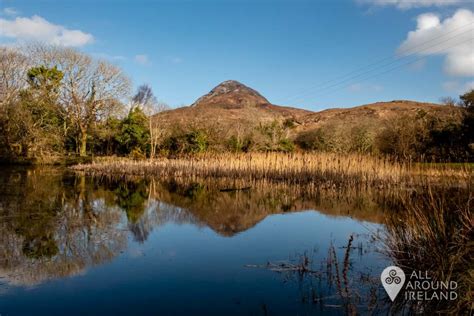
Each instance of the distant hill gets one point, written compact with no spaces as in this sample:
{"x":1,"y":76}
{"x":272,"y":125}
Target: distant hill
{"x":233,"y":108}
{"x":229,"y":106}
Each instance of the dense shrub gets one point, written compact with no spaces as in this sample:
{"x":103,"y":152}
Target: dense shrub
{"x":237,"y":144}
{"x":180,"y":142}
{"x":134,"y":133}
{"x":312,"y":140}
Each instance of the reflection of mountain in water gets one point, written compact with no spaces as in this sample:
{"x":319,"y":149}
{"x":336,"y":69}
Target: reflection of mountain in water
{"x":235,"y":211}
{"x":56,"y":224}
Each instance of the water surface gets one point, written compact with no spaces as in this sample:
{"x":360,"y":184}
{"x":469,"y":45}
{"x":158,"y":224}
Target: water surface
{"x":76,"y":245}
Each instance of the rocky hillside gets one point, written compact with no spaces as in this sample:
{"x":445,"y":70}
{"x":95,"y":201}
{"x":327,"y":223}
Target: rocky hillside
{"x":228,"y":107}
{"x":232,"y":108}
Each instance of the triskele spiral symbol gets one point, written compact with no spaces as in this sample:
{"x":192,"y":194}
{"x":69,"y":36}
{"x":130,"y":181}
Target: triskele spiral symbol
{"x":393,"y":278}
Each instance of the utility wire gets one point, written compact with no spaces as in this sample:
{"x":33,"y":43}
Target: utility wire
{"x":321,"y":86}
{"x":387,"y":71}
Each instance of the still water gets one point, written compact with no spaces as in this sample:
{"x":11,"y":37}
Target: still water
{"x":75,"y":245}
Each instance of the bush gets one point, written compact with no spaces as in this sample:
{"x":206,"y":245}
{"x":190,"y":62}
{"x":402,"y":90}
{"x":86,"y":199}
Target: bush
{"x":195,"y":141}
{"x":286,"y":145}
{"x":312,"y":140}
{"x":236,"y":144}
{"x":133,"y":132}
{"x":361,"y":141}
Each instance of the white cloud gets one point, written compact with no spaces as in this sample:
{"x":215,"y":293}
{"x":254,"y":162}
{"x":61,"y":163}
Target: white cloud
{"x":10,"y":11}
{"x":408,"y":4}
{"x":38,"y":29}
{"x":142,"y":59}
{"x":453,"y":38}
{"x":458,"y":87}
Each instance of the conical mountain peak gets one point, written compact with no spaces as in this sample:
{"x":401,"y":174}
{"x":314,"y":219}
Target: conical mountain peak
{"x":232,"y":94}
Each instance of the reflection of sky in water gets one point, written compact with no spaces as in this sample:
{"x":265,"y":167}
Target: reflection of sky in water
{"x":189,"y":269}
{"x":166,"y":259}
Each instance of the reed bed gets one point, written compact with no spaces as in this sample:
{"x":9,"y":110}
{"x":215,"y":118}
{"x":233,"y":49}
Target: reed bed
{"x":435,"y":233}
{"x":298,"y":168}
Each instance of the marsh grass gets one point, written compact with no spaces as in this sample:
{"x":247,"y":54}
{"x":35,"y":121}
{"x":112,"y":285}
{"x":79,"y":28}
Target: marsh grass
{"x":323,"y":169}
{"x":297,"y":168}
{"x":430,"y":225}
{"x":435,"y":233}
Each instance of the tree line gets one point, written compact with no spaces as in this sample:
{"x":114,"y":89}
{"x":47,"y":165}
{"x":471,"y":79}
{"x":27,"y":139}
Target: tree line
{"x":57,"y":101}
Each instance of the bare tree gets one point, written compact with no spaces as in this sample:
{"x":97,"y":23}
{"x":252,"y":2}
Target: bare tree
{"x":449,"y":101}
{"x":13,"y":67}
{"x":91,"y":88}
{"x":148,"y":103}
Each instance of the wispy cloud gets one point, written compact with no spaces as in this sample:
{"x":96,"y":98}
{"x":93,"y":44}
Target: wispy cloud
{"x":408,"y":4}
{"x":457,"y":86}
{"x":109,"y":57}
{"x":452,"y":38}
{"x":10,"y":11}
{"x":142,"y":59}
{"x":39,"y":29}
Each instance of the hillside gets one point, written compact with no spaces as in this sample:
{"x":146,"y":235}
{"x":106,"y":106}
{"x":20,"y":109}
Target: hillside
{"x":232,"y":108}
{"x":228,"y":107}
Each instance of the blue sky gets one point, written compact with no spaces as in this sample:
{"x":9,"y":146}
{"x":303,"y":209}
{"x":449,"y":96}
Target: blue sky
{"x":287,"y":50}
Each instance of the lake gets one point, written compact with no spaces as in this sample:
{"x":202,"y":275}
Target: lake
{"x":76,"y":245}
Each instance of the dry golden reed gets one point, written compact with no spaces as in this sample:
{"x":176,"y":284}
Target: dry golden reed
{"x":332,"y":169}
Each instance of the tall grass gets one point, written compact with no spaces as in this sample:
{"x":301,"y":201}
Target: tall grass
{"x":435,"y":233}
{"x":332,"y":169}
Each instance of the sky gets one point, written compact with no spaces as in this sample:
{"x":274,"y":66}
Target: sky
{"x":309,"y":54}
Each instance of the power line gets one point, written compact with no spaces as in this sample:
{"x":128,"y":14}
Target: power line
{"x":387,"y":71}
{"x":322,"y":86}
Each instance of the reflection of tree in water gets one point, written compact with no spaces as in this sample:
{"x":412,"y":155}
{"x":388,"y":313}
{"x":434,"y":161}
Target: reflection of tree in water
{"x":57,"y":224}
{"x":53,"y":226}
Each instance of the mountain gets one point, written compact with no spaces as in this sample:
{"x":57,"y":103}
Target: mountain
{"x":232,"y":108}
{"x":229,"y":106}
{"x":232,"y":94}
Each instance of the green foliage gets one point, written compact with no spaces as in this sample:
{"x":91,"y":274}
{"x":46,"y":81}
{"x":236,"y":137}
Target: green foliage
{"x":274,"y":136}
{"x":424,"y":137}
{"x":46,"y":79}
{"x":237,"y":144}
{"x":133,"y":133}
{"x":312,"y":140}
{"x":197,"y":141}
{"x":131,"y":197}
{"x":467,"y":100}
{"x":35,"y":121}
{"x":104,"y":137}
{"x":181,"y":142}
{"x":286,"y":145}
{"x":360,"y":140}
{"x":468,"y":121}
